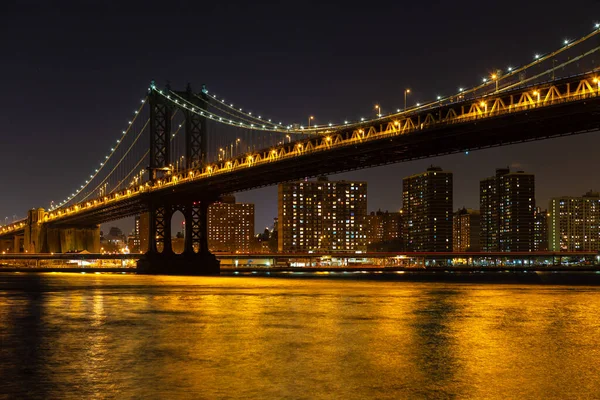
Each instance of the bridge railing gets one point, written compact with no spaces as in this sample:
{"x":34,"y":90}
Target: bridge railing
{"x":15,"y":226}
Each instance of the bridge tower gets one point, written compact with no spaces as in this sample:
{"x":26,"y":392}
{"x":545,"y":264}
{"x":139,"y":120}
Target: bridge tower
{"x":196,"y":258}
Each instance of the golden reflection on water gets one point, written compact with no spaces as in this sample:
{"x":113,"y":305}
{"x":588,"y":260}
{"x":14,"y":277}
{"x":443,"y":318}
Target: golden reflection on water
{"x":74,"y":336}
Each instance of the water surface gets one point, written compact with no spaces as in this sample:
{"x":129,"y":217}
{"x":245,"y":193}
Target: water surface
{"x":126,"y":336}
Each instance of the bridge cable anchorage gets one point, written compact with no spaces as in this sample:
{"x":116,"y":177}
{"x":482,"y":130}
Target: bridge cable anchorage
{"x":107,"y":158}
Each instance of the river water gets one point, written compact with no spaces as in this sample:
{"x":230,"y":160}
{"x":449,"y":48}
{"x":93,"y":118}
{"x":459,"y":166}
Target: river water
{"x":73,"y":336}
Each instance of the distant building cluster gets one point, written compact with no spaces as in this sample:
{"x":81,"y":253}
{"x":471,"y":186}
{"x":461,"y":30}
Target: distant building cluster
{"x":331,"y":216}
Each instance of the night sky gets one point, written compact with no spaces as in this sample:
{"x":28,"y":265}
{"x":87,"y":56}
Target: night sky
{"x":72,"y":74}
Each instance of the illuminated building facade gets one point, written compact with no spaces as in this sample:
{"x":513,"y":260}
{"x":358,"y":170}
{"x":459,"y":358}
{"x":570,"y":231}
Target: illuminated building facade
{"x":230,"y":226}
{"x":507,"y":204}
{"x":465,"y":230}
{"x":322,"y":215}
{"x":135,"y":245}
{"x":574,"y":223}
{"x":427,"y":209}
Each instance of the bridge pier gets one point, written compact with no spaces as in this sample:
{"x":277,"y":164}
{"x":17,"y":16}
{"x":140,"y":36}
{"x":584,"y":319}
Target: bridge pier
{"x":7,"y":245}
{"x":196,"y":258}
{"x":73,"y":238}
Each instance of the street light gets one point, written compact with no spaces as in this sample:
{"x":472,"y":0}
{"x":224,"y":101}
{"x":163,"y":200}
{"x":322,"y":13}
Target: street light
{"x":496,"y":77}
{"x":378,"y":108}
{"x":406,"y":91}
{"x":310,"y":119}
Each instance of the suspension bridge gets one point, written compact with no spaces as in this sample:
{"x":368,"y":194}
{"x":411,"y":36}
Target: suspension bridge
{"x":183,"y":149}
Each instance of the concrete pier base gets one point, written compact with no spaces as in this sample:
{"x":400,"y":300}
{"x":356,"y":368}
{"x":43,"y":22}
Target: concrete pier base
{"x":203,"y":264}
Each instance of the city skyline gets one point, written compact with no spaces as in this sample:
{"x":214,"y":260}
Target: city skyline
{"x":427,"y":174}
{"x":49,"y":146}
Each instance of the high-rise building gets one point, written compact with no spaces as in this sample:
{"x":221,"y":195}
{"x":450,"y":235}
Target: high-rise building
{"x":489,"y":200}
{"x":384,"y":231}
{"x":322,"y":215}
{"x":427,"y":209}
{"x":383,"y":226}
{"x":465,"y":230}
{"x":136,"y":244}
{"x":540,"y":230}
{"x":143,"y":225}
{"x":574,"y":223}
{"x":230,"y":226}
{"x":507,"y":203}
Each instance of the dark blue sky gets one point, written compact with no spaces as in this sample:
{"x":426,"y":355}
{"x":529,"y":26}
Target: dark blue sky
{"x":72,"y":74}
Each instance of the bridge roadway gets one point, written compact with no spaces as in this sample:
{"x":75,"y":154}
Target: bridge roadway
{"x":563,"y":107}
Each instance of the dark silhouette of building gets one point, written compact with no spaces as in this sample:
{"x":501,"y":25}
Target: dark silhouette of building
{"x":427,"y":209}
{"x":384,"y":231}
{"x":507,"y":203}
{"x":540,"y":230}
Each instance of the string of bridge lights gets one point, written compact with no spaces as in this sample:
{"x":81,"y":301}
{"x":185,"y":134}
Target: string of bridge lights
{"x":248,"y":114}
{"x":249,"y":119}
{"x":119,"y":162}
{"x":140,"y":161}
{"x":486,"y":81}
{"x":112,"y":151}
{"x":186,"y":104}
{"x":538,"y":58}
{"x":181,"y":101}
{"x":268,"y":125}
